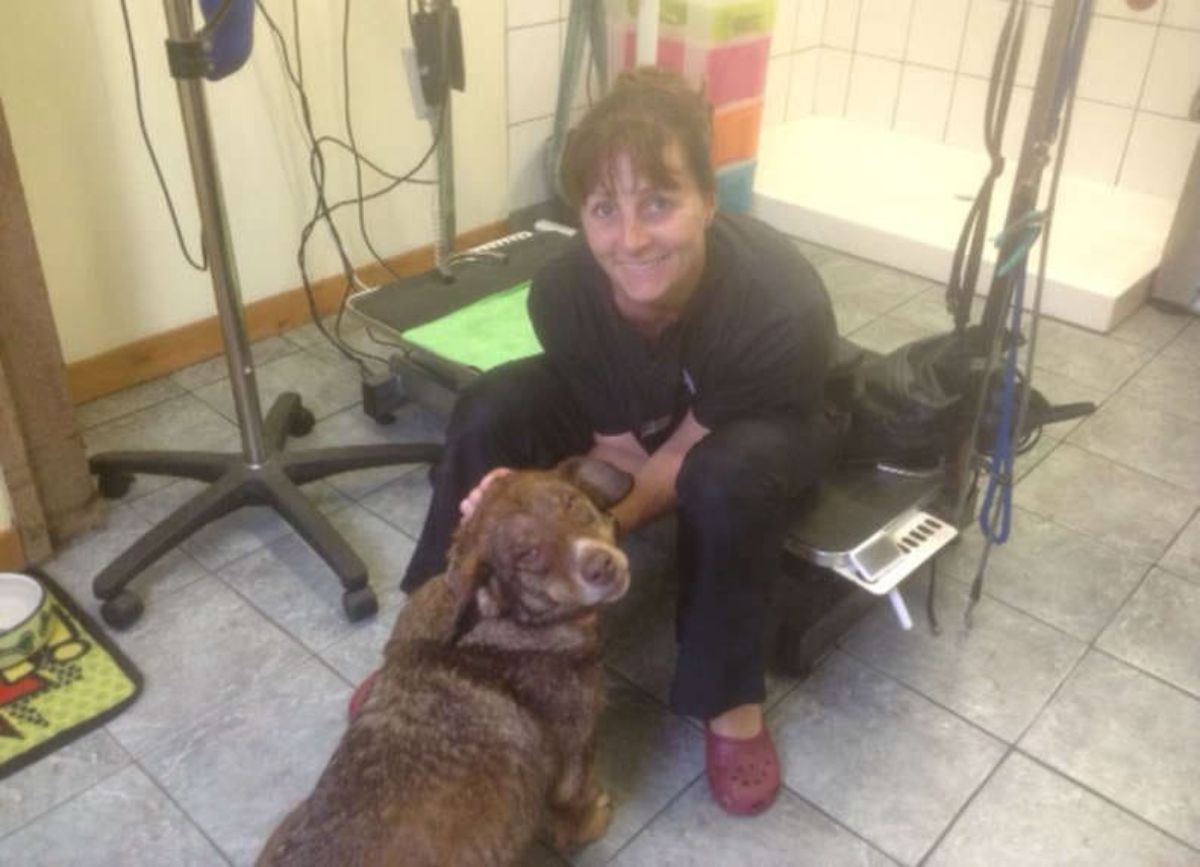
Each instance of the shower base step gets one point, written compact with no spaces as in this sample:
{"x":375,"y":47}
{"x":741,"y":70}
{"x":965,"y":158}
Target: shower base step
{"x":901,"y":201}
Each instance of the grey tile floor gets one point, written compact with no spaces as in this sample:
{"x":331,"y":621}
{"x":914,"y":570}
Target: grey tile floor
{"x":1063,"y":728}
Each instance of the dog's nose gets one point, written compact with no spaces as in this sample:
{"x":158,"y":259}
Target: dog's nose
{"x":602,"y":566}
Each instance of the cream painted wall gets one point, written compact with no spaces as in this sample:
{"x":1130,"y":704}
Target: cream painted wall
{"x":113,"y":269}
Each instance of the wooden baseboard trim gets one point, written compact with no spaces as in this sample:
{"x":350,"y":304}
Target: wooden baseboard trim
{"x":12,"y":555}
{"x":168,"y":351}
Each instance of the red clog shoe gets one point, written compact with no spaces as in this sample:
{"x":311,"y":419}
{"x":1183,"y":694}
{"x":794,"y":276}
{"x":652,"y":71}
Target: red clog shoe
{"x":743,"y":775}
{"x":360,"y":695}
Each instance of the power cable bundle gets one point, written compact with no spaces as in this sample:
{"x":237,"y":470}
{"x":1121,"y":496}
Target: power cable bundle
{"x":323,"y":211}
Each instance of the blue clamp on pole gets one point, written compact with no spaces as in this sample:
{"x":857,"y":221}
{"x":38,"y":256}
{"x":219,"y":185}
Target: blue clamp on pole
{"x":230,"y":36}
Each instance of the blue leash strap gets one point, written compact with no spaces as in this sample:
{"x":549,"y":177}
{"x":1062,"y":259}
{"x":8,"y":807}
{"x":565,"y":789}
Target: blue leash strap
{"x":995,"y":518}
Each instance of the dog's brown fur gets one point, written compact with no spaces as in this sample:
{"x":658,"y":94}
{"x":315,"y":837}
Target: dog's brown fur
{"x":479,"y":728}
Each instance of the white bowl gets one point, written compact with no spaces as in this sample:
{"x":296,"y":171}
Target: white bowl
{"x":24,"y":617}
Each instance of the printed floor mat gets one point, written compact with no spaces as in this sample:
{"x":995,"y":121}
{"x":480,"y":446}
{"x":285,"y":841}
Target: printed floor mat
{"x":79,"y":680}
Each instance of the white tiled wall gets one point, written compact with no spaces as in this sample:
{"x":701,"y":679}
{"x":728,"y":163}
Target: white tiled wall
{"x":536,"y":31}
{"x":921,"y":67}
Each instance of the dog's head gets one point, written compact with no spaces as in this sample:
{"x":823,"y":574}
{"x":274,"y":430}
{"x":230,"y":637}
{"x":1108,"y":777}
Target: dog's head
{"x":539,"y":548}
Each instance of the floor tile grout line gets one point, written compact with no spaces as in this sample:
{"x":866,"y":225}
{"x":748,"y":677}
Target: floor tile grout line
{"x":1175,"y":539}
{"x":130,"y":759}
{"x":1055,"y":693}
{"x":630,"y":683}
{"x":1187,"y":492}
{"x":1008,"y":747}
{"x":841,"y":823}
{"x":293,"y":348}
{"x":132,"y":762}
{"x":664,"y":708}
{"x":183,"y":389}
{"x":1156,"y":349}
{"x":654,"y":816}
{"x":1016,"y":609}
{"x":183,"y":392}
{"x":1089,"y":646}
{"x":296,"y":639}
{"x":1014,"y":745}
{"x":935,"y":702}
{"x":1064,"y":774}
{"x":1093,"y":647}
{"x":273,"y":622}
{"x":191,"y":820}
{"x":938,"y":703}
{"x":1112,"y":618}
{"x":987,"y":778}
{"x":378,"y":514}
{"x":158,"y":404}
{"x":1157,"y":678}
{"x":1193,"y":494}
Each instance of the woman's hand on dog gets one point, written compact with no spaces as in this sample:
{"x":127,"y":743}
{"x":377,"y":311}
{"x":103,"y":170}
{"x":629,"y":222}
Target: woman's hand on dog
{"x":471,"y":502}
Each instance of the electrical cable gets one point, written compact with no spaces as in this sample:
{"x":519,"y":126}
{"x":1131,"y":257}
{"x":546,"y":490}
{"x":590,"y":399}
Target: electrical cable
{"x":373,"y":166}
{"x":297,"y":81}
{"x":317,"y":172}
{"x":202,"y":265}
{"x":358,"y":179}
{"x":323,"y":211}
{"x":327,"y":211}
{"x":296,"y":42}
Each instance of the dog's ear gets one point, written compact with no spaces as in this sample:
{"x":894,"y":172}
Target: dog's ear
{"x":600,"y":480}
{"x":466,"y":574}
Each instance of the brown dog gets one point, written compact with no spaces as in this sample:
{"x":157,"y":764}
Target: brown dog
{"x":479,"y":728}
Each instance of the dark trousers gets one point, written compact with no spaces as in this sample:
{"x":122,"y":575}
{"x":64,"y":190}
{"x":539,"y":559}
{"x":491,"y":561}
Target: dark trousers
{"x":735,"y":492}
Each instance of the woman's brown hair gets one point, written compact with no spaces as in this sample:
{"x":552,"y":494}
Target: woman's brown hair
{"x":647,"y":110}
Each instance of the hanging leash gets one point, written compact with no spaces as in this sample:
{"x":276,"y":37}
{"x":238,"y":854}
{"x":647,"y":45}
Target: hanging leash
{"x":995,"y":517}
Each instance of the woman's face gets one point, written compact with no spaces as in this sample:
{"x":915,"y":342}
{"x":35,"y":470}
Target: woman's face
{"x":648,"y":239}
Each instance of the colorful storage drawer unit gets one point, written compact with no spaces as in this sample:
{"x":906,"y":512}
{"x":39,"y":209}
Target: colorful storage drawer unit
{"x":728,"y":73}
{"x":735,"y":131}
{"x":724,"y":47}
{"x":735,"y":186}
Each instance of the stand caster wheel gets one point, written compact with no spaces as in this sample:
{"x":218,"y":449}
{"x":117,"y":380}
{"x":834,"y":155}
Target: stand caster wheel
{"x":122,"y":611}
{"x":360,"y":603}
{"x":301,"y":423}
{"x":113,"y":486}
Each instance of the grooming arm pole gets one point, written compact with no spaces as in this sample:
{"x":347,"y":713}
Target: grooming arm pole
{"x":215,"y":228}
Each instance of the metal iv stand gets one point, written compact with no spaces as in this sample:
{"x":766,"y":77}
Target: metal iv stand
{"x":262,"y":473}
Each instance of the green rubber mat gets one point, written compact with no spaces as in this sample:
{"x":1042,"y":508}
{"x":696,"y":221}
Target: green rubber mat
{"x":77,"y":681}
{"x":482,"y":335}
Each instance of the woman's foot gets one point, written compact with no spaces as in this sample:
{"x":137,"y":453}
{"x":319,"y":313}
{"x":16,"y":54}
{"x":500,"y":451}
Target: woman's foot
{"x":741,"y":762}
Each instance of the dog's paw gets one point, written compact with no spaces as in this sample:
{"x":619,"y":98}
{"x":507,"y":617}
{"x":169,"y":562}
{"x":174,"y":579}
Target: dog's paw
{"x":574,"y":828}
{"x":597,"y":818}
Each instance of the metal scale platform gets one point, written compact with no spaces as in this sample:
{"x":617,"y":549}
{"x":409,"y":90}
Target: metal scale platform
{"x":872,"y":526}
